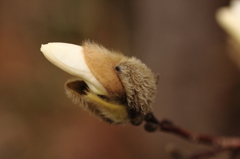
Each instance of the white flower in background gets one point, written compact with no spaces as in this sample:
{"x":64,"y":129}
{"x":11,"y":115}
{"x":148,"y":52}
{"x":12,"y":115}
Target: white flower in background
{"x":229,"y":19}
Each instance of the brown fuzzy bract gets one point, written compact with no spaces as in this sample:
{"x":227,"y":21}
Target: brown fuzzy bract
{"x":139,"y":83}
{"x":102,"y":63}
{"x":75,"y":89}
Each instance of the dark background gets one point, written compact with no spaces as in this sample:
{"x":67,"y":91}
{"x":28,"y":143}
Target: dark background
{"x":180,"y":40}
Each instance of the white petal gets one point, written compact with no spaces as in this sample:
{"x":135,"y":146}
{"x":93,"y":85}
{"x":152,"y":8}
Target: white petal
{"x":70,"y":58}
{"x":229,"y":19}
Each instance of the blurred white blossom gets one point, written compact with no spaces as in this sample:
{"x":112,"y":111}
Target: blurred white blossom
{"x":229,"y":19}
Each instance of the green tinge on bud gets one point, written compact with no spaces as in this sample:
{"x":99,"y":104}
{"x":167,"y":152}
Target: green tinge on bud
{"x":229,"y":19}
{"x":70,"y":58}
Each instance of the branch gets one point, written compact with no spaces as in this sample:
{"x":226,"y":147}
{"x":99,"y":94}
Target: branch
{"x":219,"y":143}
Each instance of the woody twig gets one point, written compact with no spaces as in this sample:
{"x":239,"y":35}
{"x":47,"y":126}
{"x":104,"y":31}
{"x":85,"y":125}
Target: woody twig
{"x":218,"y":143}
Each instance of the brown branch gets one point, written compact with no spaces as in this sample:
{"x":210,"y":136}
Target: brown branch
{"x":219,"y":143}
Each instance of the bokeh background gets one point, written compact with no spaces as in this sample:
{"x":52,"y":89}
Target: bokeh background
{"x":179,"y":40}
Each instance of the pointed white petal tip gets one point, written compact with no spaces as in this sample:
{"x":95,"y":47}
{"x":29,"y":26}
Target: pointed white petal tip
{"x":70,"y":58}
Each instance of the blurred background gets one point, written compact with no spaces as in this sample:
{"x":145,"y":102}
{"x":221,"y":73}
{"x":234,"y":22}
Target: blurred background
{"x":198,"y":88}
